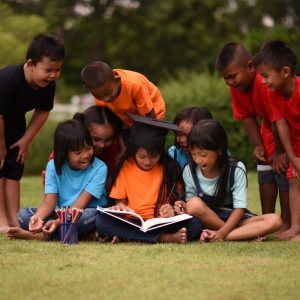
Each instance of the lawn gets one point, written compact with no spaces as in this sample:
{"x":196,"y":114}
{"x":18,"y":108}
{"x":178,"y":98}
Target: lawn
{"x":233,"y":270}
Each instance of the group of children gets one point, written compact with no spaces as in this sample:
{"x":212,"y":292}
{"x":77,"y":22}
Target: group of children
{"x":113,"y":154}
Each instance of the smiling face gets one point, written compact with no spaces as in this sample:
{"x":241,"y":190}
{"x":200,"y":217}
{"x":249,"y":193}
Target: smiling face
{"x":238,"y":74}
{"x":41,"y":74}
{"x":181,"y":136}
{"x":273,"y":79}
{"x":146,"y":161}
{"x":102,"y":136}
{"x":81,"y":159}
{"x":207,"y":161}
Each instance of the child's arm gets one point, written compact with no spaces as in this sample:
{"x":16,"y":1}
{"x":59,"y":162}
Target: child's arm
{"x":279,"y":161}
{"x":82,"y":201}
{"x":2,"y":142}
{"x":284,"y":134}
{"x":44,"y":210}
{"x":253,"y":131}
{"x":38,"y":119}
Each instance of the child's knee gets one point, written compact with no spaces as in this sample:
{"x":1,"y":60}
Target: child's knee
{"x":24,"y":216}
{"x":195,"y":206}
{"x":274,"y":221}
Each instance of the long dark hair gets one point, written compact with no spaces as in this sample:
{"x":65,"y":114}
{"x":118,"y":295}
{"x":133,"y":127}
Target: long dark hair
{"x":71,"y":135}
{"x":172,"y":182}
{"x":210,"y":135}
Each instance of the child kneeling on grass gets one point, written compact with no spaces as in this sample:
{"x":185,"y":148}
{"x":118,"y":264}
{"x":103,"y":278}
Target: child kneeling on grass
{"x":74,"y":179}
{"x":216,"y":189}
{"x":148,"y":181}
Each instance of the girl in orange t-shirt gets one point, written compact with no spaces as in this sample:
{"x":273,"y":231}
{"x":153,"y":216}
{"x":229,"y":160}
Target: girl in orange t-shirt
{"x":148,"y":182}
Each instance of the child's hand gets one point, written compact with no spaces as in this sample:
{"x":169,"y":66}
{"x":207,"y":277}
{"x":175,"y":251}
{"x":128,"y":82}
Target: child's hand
{"x":121,"y":206}
{"x":23,"y":149}
{"x":180,"y":207}
{"x":259,"y":154}
{"x":35,"y":224}
{"x":50,"y":227}
{"x":166,"y":211}
{"x":279,"y":163}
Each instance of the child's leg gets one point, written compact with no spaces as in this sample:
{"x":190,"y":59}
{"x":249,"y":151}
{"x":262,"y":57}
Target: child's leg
{"x":196,"y":207}
{"x":12,"y":196}
{"x":4,"y":226}
{"x":294,"y":195}
{"x":268,"y":195}
{"x":255,"y":227}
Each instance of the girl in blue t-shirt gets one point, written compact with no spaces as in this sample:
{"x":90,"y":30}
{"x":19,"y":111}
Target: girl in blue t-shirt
{"x":74,"y":179}
{"x":186,"y":119}
{"x":216,"y":189}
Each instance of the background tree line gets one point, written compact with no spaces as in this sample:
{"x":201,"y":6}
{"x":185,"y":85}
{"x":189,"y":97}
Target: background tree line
{"x":173,"y":42}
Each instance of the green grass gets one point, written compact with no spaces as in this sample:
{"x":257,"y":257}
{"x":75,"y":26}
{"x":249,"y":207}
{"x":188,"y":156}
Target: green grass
{"x":240,"y":270}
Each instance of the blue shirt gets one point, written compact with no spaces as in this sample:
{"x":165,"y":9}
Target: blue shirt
{"x":208,"y":185}
{"x":70,"y":184}
{"x":182,"y":157}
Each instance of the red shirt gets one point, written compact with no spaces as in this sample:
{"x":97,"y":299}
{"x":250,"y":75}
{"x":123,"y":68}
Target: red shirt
{"x":288,"y":109}
{"x":254,"y":104}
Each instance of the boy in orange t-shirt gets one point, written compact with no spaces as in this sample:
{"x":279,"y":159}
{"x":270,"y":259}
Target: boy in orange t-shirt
{"x":123,"y":91}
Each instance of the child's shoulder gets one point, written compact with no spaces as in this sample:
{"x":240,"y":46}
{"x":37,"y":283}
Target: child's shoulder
{"x":12,"y":72}
{"x":131,"y":77}
{"x":97,"y":162}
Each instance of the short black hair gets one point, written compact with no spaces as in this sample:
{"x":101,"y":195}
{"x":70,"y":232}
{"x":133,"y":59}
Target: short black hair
{"x":276,"y":54}
{"x":96,"y":74}
{"x":70,"y":135}
{"x":46,"y":45}
{"x":229,"y":52}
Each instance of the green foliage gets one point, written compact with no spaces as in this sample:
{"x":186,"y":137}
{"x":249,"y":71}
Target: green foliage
{"x":192,"y":89}
{"x":14,"y":36}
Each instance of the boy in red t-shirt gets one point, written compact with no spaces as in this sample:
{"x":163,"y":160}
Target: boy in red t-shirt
{"x":277,"y":63}
{"x":248,"y":96}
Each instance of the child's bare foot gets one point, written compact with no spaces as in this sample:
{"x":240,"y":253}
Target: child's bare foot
{"x":19,"y":233}
{"x":277,"y":234}
{"x":296,"y":238}
{"x":289,"y":234}
{"x":115,"y":240}
{"x":179,"y":237}
{"x":259,"y":239}
{"x":204,"y":237}
{"x":4,"y":228}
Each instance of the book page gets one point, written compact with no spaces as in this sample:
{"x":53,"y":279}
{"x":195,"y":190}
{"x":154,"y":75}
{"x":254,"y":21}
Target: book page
{"x":159,"y":222}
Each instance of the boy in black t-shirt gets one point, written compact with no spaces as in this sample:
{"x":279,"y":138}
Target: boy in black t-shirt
{"x":24,"y":87}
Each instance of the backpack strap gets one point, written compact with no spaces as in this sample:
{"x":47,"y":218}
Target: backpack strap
{"x":233,"y":164}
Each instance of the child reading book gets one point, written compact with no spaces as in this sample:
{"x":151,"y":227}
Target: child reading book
{"x":148,"y":181}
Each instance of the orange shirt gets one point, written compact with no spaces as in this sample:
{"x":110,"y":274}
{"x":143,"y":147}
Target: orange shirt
{"x":140,"y":188}
{"x":138,"y":95}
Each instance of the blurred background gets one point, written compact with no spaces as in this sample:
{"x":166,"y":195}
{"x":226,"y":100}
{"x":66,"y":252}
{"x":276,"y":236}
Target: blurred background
{"x":173,"y":42}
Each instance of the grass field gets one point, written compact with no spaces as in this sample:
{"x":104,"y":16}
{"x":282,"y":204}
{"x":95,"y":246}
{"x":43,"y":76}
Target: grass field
{"x":231,"y":270}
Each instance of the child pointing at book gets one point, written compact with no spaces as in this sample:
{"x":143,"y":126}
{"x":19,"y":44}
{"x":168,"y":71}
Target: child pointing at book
{"x":148,"y":182}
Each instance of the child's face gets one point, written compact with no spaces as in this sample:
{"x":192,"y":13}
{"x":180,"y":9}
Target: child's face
{"x":102,"y":136}
{"x":239,"y":75}
{"x":273,"y":79}
{"x":44,"y":72}
{"x":207,"y":161}
{"x":181,"y":137}
{"x":81,"y":159}
{"x":109,"y":91}
{"x":145,"y":161}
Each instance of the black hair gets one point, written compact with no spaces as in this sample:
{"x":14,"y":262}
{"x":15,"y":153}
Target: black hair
{"x":192,"y":115}
{"x":100,"y":115}
{"x":45,"y":45}
{"x":96,"y":74}
{"x":277,"y":55}
{"x":172,"y":185}
{"x":229,"y":52}
{"x":210,"y":135}
{"x":70,"y":135}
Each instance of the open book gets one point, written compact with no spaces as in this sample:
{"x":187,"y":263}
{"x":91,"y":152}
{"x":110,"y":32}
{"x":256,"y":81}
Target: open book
{"x":137,"y":221}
